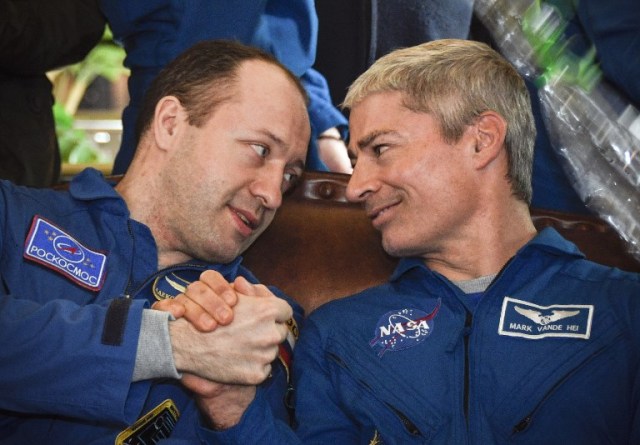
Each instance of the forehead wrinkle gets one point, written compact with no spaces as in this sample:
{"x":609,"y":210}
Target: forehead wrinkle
{"x":367,"y":140}
{"x":275,"y":139}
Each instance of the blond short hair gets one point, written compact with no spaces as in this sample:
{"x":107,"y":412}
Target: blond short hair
{"x":456,"y":81}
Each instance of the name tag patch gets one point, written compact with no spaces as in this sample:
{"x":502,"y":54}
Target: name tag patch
{"x":527,"y":320}
{"x":52,"y":247}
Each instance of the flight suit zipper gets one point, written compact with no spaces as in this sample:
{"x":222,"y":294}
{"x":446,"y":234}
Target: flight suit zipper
{"x":127,"y":288}
{"x":466,"y":334}
{"x":527,"y":420}
{"x":408,"y":425}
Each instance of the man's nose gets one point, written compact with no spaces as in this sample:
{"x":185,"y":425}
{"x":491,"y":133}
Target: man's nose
{"x":361,"y":183}
{"x":267,"y":186}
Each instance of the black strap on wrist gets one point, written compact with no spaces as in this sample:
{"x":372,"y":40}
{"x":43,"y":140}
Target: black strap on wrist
{"x":115,"y":321}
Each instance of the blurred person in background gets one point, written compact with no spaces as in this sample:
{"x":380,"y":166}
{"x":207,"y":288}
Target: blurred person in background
{"x":153,"y":32}
{"x":37,"y":36}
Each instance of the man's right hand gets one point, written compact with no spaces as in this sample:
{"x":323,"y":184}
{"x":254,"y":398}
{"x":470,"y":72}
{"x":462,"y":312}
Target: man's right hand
{"x":205,"y":303}
{"x":241,"y":352}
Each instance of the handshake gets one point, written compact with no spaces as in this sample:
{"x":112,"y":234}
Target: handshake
{"x":224,"y":340}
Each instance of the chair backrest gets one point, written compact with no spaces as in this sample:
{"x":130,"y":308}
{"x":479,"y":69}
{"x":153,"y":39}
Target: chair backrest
{"x":321,"y":247}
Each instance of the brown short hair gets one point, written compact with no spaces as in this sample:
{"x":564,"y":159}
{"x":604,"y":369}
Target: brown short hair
{"x":191,"y":75}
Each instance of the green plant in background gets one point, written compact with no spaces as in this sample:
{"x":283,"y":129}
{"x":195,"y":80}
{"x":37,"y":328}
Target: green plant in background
{"x":544,"y":28}
{"x":76,"y":147}
{"x":69,"y":87}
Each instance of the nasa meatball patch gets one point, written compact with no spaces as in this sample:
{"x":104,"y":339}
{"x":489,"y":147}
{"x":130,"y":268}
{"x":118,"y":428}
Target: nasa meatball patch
{"x":402,"y":329}
{"x":527,"y":320}
{"x":52,"y":247}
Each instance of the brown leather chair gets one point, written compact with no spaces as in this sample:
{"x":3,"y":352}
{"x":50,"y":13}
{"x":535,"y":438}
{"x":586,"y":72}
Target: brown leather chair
{"x":320,"y":247}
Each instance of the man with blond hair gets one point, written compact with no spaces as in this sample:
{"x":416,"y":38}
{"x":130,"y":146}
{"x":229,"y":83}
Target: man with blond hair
{"x":488,"y":332}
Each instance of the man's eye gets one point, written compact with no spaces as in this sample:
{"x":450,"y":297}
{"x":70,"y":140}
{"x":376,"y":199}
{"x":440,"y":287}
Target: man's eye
{"x":379,"y":149}
{"x":352,"y":158}
{"x":289,"y":181}
{"x":261,"y":150}
{"x":290,"y":178}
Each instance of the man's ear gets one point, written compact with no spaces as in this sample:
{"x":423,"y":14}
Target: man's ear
{"x":490,"y":131}
{"x":168,"y":117}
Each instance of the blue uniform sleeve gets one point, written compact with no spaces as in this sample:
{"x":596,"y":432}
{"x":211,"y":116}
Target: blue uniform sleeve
{"x":154,"y":32}
{"x":322,"y":113}
{"x":288,"y":29}
{"x":55,"y":362}
{"x":53,"y":358}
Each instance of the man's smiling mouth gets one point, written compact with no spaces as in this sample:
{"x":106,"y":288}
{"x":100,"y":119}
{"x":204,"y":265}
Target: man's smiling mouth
{"x":247,"y":219}
{"x":379,"y":211}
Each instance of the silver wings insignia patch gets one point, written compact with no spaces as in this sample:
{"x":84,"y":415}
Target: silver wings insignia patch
{"x":537,"y":317}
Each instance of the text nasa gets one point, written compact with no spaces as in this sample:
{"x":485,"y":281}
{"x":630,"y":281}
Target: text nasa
{"x":416,"y":327}
{"x":64,"y":264}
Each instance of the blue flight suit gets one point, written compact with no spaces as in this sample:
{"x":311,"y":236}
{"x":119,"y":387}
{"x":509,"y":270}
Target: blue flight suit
{"x":76,"y":274}
{"x":550,"y":354}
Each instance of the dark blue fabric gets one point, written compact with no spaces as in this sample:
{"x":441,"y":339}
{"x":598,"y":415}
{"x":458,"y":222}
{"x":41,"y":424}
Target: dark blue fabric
{"x":527,"y":390}
{"x":353,"y":34}
{"x":60,"y":383}
{"x":154,"y":32}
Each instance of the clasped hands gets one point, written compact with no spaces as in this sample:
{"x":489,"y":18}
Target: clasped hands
{"x":224,"y":339}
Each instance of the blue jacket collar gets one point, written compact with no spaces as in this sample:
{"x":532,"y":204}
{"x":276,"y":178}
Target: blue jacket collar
{"x":90,"y":184}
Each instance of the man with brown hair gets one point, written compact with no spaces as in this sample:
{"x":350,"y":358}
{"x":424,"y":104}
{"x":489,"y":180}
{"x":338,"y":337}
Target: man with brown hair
{"x":84,"y":359}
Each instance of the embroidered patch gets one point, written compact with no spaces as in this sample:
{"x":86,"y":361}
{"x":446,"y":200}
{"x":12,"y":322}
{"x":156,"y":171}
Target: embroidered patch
{"x":294,"y":332}
{"x":527,"y":320}
{"x":154,"y":426}
{"x":286,"y":348}
{"x":168,"y":286}
{"x":402,"y":329}
{"x":52,"y":247}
